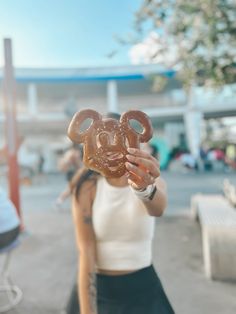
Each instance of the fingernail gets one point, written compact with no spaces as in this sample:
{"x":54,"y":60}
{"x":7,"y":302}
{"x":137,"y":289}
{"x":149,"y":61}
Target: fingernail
{"x":128,"y":164}
{"x":129,"y":157}
{"x":131,"y":150}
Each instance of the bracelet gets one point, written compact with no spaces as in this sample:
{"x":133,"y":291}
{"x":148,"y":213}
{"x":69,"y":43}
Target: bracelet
{"x":147,"y":194}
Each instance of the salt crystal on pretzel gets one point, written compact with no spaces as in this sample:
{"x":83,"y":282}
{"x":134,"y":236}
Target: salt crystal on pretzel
{"x":106,"y":140}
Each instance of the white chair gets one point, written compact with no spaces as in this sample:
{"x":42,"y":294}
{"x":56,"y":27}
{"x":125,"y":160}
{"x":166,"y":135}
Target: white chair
{"x":12,"y":293}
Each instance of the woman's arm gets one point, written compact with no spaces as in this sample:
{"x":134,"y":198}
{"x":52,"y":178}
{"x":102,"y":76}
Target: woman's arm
{"x":144,"y":170}
{"x":158,"y":204}
{"x":82,"y":216}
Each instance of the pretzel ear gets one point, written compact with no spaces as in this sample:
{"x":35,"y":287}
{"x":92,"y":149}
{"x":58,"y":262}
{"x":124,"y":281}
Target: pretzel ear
{"x":143,"y":119}
{"x":74,"y":128}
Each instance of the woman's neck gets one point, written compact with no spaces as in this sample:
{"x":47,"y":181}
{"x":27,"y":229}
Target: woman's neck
{"x":119,"y":182}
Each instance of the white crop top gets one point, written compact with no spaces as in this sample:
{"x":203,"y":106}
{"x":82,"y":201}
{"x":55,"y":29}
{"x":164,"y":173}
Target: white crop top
{"x":123,"y":228}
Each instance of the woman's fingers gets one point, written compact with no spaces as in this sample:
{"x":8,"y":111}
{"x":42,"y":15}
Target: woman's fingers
{"x":147,"y":165}
{"x":134,"y":185}
{"x":144,"y":160}
{"x":140,"y":153}
{"x":138,"y":183}
{"x":137,"y":171}
{"x":142,"y":168}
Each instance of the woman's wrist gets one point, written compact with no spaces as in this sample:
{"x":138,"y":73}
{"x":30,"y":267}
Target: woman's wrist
{"x":146,"y":194}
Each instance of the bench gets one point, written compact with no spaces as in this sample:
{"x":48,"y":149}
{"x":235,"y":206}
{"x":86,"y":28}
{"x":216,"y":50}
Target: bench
{"x":217,"y":218}
{"x":229,"y":192}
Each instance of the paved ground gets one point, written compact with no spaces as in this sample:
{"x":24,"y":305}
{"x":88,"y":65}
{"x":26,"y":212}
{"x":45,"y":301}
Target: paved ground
{"x":178,"y":259}
{"x":44,"y":265}
{"x":181,"y":186}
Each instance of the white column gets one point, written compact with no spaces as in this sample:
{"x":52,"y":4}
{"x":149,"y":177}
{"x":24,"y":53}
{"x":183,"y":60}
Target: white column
{"x":32,"y":99}
{"x":51,"y":162}
{"x":112,"y":97}
{"x":193,"y":123}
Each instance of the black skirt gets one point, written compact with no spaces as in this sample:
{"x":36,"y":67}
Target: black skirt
{"x":140,"y":292}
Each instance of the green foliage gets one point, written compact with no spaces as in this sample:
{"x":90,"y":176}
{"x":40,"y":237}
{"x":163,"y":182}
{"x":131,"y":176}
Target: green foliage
{"x":201,"y":34}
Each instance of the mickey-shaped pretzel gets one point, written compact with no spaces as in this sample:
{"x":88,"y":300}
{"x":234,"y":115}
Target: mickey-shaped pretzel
{"x":106,"y":140}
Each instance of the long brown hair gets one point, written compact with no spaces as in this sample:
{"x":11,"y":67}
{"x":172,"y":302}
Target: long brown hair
{"x":82,"y":175}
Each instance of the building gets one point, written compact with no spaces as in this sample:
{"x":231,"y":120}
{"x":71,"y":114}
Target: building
{"x":47,"y":99}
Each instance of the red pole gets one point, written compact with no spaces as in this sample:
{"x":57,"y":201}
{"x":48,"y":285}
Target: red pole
{"x":11,"y":126}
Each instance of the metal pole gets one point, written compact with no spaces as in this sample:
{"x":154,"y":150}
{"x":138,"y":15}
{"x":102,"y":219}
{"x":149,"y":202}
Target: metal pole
{"x":10,"y":126}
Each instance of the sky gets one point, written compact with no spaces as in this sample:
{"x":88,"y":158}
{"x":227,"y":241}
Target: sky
{"x":66,"y":33}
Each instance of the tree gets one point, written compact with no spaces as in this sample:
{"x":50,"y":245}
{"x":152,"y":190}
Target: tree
{"x":196,"y":37}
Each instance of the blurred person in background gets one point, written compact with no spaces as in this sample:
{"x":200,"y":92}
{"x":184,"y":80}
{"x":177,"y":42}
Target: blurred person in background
{"x":9,"y":221}
{"x":41,"y":163}
{"x":230,"y":156}
{"x":69,"y":164}
{"x":188,"y":160}
{"x":114,"y":221}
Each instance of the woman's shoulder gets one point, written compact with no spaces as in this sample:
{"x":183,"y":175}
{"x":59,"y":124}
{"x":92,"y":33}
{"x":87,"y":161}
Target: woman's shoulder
{"x":88,"y":185}
{"x":87,"y":190}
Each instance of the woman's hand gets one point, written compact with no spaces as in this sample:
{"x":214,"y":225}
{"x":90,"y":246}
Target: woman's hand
{"x":143,"y":168}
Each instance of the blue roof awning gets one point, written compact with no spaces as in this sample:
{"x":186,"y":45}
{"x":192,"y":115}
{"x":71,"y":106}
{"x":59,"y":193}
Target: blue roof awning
{"x":88,"y":75}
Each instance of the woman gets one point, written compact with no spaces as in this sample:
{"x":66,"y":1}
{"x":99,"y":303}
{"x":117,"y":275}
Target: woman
{"x":114,"y":224}
{"x":9,"y":221}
